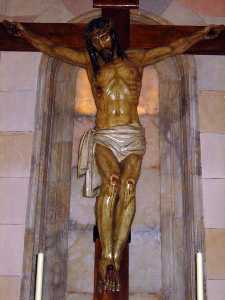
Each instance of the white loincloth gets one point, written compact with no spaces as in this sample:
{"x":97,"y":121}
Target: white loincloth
{"x":122,"y":140}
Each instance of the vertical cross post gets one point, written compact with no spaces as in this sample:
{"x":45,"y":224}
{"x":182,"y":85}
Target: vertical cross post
{"x":124,"y":273}
{"x":119,"y":12}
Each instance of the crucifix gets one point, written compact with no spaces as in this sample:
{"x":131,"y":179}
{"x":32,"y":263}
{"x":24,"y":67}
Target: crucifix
{"x":117,"y":142}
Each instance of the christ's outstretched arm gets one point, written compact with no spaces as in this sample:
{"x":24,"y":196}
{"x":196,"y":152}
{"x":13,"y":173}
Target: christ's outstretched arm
{"x":48,"y":47}
{"x":148,"y":57}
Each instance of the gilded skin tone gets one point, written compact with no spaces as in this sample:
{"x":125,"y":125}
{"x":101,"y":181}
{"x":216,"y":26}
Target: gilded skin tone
{"x":116,"y":90}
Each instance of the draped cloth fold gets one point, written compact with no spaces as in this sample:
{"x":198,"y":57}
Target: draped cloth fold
{"x":122,"y":140}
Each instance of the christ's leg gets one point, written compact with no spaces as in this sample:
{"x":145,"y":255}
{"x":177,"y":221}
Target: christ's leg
{"x":105,"y":209}
{"x":125,"y":210}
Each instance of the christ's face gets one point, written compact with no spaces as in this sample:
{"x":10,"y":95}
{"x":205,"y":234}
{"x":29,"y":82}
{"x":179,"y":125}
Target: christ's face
{"x":102,"y":41}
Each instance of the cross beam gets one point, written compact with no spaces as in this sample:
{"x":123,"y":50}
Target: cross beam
{"x":141,"y":36}
{"x":128,"y":4}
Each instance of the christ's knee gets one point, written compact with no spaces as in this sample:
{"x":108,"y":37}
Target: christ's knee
{"x":127,"y":192}
{"x":110,"y":186}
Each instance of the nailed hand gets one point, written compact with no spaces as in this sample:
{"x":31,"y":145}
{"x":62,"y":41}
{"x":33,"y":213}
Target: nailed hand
{"x":13,"y":28}
{"x":213,"y":31}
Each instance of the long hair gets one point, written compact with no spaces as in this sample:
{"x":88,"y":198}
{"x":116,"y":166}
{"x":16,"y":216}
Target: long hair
{"x":101,"y":23}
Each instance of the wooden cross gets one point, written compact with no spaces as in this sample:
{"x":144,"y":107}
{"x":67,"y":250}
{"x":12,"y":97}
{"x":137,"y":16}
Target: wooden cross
{"x":131,"y":36}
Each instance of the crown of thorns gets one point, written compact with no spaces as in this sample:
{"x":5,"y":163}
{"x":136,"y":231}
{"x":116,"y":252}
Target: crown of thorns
{"x":99,"y":23}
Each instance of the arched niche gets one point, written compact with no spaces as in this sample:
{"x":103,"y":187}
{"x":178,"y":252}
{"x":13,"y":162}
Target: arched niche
{"x":180,"y":201}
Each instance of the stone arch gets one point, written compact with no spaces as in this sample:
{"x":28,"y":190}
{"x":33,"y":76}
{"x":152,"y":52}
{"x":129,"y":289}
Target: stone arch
{"x":181,"y":208}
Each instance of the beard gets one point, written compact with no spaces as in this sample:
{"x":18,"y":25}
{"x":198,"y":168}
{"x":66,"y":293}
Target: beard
{"x":106,"y":55}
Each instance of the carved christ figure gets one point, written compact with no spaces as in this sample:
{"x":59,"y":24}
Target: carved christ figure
{"x":115,"y":147}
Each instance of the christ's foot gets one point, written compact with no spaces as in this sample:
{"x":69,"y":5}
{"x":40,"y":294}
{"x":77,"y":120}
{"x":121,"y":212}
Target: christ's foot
{"x":112,"y":283}
{"x":109,"y":281}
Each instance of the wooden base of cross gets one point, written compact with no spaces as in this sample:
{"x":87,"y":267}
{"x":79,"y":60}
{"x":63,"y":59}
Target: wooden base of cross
{"x":124,"y":274}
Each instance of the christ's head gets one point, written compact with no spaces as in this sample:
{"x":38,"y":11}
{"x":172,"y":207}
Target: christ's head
{"x":102,"y":41}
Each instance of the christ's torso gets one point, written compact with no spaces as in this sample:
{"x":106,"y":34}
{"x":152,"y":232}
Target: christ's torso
{"x":116,"y":91}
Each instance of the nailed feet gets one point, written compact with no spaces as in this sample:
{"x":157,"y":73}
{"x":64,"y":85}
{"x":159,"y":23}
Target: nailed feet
{"x":109,"y":276}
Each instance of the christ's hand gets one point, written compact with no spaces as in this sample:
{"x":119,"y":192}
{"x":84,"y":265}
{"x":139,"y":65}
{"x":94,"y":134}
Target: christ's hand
{"x":13,"y":28}
{"x":213,"y":31}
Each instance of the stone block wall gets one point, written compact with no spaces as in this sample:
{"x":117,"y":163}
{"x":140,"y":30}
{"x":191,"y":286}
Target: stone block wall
{"x":18,"y":81}
{"x":212,"y":128}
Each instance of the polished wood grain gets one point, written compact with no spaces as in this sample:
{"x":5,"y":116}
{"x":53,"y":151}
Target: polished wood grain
{"x":70,"y":35}
{"x":141,"y":36}
{"x":116,"y":4}
{"x":145,"y":36}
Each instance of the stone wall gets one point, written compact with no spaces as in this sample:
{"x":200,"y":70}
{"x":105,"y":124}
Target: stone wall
{"x":212,"y":128}
{"x":18,"y":80}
